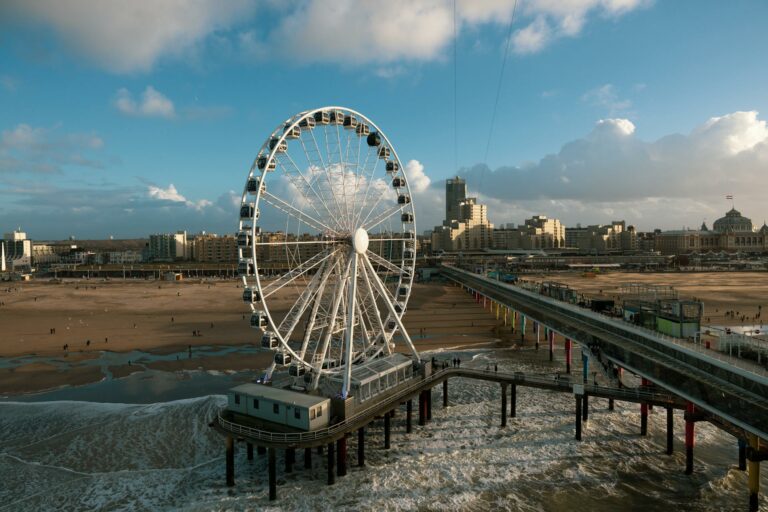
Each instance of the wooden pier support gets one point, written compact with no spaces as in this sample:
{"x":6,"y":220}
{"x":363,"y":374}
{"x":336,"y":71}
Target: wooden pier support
{"x":429,"y":403}
{"x":341,"y":456}
{"x":320,"y":450}
{"x":361,"y":447}
{"x":422,"y":409}
{"x":307,"y":458}
{"x":445,"y":393}
{"x":272,"y":470}
{"x":503,"y":405}
{"x":742,"y":455}
{"x":513,"y":401}
{"x":261,"y":450}
{"x":643,"y":419}
{"x":387,"y":425}
{"x":290,"y":457}
{"x":568,"y":350}
{"x":689,"y":437}
{"x":249,"y":449}
{"x":578,"y":417}
{"x":551,"y":345}
{"x":331,"y":457}
{"x":230,"y":461}
{"x":585,"y":407}
{"x":670,"y":430}
{"x":408,"y":416}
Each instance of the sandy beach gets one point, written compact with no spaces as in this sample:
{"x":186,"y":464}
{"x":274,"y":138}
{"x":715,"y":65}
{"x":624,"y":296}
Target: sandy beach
{"x":94,"y":318}
{"x":38,"y":319}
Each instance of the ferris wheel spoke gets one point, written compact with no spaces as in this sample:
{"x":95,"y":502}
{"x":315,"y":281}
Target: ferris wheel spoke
{"x":384,"y":262}
{"x":308,"y":184}
{"x":382,"y":217}
{"x":296,"y":213}
{"x":317,"y":301}
{"x":289,"y":277}
{"x":319,"y":356}
{"x":367,"y":188}
{"x":291,"y":319}
{"x":390,"y":306}
{"x":375,"y":310}
{"x":349,"y":334}
{"x":323,"y":165}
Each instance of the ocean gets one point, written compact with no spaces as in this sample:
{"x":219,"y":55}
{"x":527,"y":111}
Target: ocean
{"x":93,"y":453}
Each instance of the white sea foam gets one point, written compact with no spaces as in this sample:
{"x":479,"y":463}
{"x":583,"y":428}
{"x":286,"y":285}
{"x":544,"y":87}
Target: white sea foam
{"x":164,"y":456}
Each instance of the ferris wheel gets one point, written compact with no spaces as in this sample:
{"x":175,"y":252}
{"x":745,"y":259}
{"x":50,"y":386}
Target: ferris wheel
{"x":327,"y":245}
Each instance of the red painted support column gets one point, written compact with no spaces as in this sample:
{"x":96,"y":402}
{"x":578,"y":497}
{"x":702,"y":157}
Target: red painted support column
{"x":689,"y":437}
{"x":568,"y":348}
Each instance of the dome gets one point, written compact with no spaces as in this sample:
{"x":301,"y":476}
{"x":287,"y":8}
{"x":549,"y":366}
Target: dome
{"x":733,"y":221}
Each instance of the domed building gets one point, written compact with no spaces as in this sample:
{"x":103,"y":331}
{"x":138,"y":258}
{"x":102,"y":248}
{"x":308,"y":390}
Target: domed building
{"x":733,"y":221}
{"x":732,"y":233}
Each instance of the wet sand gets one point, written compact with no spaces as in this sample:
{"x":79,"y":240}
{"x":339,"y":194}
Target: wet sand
{"x":159,"y":318}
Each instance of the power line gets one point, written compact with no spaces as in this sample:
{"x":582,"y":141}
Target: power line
{"x":455,"y":95}
{"x":498,"y":88}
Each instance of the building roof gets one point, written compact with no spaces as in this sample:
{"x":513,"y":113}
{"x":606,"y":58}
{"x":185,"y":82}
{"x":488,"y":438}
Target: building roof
{"x":375,"y":368}
{"x":733,"y":221}
{"x":279,"y":395}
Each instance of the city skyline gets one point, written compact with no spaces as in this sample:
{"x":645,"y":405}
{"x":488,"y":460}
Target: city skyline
{"x":595,"y":120}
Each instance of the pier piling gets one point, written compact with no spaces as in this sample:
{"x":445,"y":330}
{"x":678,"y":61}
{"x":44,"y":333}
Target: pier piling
{"x":753,"y":461}
{"x":408,"y":415}
{"x":670,"y":430}
{"x":230,"y":461}
{"x":445,"y":393}
{"x":272,"y":470}
{"x":249,"y":449}
{"x":578,"y":417}
{"x":422,"y":409}
{"x":428,"y":394}
{"x":742,"y":455}
{"x":513,"y":401}
{"x":307,"y":458}
{"x":361,"y":447}
{"x":568,"y":349}
{"x":503,"y":405}
{"x":610,"y":404}
{"x":387,"y":417}
{"x":585,"y":407}
{"x":290,"y":456}
{"x":341,"y":456}
{"x":261,"y":450}
{"x":551,"y":345}
{"x":643,"y":419}
{"x":331,"y":457}
{"x":689,"y":437}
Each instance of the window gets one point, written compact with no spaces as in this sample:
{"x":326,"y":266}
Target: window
{"x":255,"y":403}
{"x":276,"y":408}
{"x":237,"y":399}
{"x":297,"y":414}
{"x":311,"y":414}
{"x":319,"y":411}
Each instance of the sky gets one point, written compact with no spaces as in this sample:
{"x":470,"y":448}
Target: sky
{"x":128,"y":118}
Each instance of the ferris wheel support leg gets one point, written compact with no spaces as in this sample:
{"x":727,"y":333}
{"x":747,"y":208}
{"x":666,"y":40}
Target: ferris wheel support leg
{"x":350,"y":332}
{"x":383,"y":291}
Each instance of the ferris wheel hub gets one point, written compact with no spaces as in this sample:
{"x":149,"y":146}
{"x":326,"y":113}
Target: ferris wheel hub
{"x":360,"y":241}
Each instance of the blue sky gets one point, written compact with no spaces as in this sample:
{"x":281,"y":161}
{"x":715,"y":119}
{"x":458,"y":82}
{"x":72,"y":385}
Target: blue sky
{"x":124,"y":120}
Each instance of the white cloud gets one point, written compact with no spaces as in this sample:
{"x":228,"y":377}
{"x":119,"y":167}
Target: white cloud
{"x":170,"y":194}
{"x":417,"y":180}
{"x":606,"y":96}
{"x":533,"y":37}
{"x":674,"y":181}
{"x":153,"y":104}
{"x":129,"y":36}
{"x":25,"y":148}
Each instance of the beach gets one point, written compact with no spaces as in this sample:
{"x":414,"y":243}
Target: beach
{"x":157,"y":318}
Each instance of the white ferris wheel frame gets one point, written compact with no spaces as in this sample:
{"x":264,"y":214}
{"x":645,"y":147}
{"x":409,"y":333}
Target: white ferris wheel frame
{"x":358,"y":263}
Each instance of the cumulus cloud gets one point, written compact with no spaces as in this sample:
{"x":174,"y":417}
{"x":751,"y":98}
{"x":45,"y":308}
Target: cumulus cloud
{"x":418,"y":181}
{"x":152,"y":104}
{"x":26,"y":148}
{"x":679,"y":178}
{"x":171,"y":195}
{"x":606,"y":97}
{"x":129,"y":36}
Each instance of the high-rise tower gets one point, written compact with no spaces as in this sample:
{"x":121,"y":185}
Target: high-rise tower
{"x":455,"y":193}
